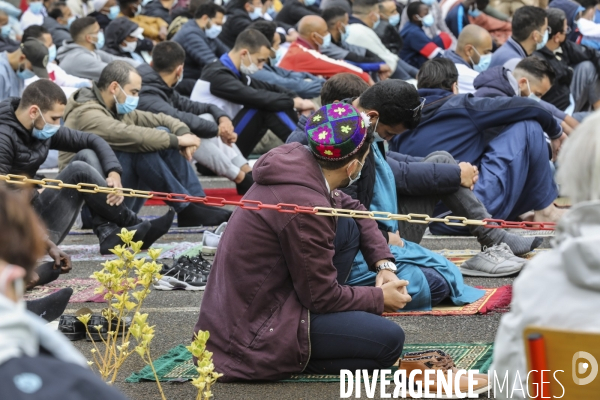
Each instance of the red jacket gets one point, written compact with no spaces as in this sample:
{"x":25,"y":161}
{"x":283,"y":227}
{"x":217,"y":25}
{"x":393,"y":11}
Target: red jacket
{"x":301,"y":57}
{"x":272,"y":269}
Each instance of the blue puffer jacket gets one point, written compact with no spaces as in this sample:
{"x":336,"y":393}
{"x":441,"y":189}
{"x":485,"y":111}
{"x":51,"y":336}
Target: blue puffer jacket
{"x":199,"y":50}
{"x":494,"y":82}
{"x":463,"y":125}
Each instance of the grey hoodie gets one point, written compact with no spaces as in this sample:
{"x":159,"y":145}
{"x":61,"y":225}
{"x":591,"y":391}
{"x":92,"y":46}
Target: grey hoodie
{"x":558,"y":289}
{"x":79,"y":61}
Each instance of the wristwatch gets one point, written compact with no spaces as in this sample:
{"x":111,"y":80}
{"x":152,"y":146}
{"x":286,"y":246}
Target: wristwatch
{"x":390,"y":266}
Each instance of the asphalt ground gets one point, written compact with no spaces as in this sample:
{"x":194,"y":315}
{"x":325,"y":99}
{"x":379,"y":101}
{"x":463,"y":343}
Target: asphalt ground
{"x":175,"y":313}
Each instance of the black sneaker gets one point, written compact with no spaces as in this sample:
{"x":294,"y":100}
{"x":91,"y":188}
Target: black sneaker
{"x":201,"y":264}
{"x":181,"y":276}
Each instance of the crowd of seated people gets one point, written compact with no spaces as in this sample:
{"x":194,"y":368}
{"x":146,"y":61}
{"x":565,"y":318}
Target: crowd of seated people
{"x":457,"y":108}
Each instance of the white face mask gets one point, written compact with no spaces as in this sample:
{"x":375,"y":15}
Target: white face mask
{"x":129,"y":47}
{"x":531,"y":94}
{"x":353,"y":180}
{"x":250,"y":69}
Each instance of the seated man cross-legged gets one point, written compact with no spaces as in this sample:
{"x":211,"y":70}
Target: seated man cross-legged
{"x":150,"y":157}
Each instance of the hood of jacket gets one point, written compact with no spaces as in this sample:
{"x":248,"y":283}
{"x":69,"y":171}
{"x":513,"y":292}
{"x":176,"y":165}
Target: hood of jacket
{"x":153,"y":82}
{"x":71,"y":48}
{"x":23,"y":333}
{"x":83,"y":97}
{"x":117,"y":31}
{"x":577,"y":237}
{"x":9,"y":118}
{"x":494,"y":82}
{"x":569,"y":7}
{"x":434,"y":99}
{"x":281,"y":165}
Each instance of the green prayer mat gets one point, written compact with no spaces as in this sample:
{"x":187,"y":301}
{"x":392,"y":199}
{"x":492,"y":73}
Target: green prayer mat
{"x":177,"y":365}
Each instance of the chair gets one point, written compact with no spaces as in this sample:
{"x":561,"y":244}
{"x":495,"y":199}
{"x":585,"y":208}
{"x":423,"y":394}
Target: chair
{"x":575,"y":353}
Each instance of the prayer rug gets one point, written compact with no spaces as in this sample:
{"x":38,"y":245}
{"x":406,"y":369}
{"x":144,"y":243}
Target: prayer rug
{"x":92,"y":252}
{"x":176,"y":365}
{"x":175,"y":230}
{"x":83,"y":290}
{"x":230,"y":194}
{"x":494,"y":299}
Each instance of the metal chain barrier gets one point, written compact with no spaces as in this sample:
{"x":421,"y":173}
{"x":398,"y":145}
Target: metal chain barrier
{"x":254,"y":205}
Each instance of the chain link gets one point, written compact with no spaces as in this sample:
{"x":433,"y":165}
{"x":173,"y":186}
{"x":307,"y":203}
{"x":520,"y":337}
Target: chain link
{"x":255,"y":205}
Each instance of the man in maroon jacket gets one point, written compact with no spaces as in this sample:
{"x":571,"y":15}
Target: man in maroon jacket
{"x":275,"y":303}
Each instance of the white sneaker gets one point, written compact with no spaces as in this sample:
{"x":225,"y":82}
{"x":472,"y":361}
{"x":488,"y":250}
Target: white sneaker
{"x":210,"y":240}
{"x":495,"y":261}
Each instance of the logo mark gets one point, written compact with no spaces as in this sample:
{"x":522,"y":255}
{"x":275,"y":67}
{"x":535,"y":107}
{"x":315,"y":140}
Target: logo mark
{"x":580,"y":368}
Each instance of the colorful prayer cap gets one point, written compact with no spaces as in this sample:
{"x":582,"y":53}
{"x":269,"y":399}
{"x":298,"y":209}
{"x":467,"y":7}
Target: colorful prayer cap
{"x":336,"y":131}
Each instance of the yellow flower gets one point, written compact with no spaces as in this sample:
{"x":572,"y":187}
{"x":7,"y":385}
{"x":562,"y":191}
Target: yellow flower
{"x":84,"y":319}
{"x":154,"y":253}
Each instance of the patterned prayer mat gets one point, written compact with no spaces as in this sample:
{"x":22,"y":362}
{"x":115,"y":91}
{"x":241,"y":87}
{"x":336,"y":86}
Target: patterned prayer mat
{"x":92,"y":252}
{"x":83,"y":290}
{"x":176,"y":365}
{"x":494,"y":299}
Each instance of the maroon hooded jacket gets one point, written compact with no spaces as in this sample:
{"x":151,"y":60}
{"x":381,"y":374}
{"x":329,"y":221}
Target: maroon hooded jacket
{"x":272,"y":269}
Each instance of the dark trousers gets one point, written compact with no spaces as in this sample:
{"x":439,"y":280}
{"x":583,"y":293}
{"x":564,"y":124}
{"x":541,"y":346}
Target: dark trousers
{"x":352,"y":339}
{"x":160,"y":171}
{"x":59,"y":208}
{"x":252,"y":124}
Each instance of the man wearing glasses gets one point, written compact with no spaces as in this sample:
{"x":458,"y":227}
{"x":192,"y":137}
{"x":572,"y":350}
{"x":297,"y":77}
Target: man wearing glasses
{"x":530,"y":32}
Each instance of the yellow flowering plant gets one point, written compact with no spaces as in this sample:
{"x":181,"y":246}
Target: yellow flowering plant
{"x":126,"y":283}
{"x":207,"y":376}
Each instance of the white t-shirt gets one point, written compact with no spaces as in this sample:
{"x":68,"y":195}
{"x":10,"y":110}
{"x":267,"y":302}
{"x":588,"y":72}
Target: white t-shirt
{"x":466,"y":76}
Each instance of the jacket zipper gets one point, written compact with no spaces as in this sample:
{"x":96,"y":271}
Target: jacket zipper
{"x":309,"y":346}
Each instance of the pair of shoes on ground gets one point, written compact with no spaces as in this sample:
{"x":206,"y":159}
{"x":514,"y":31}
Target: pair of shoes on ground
{"x":146,"y":231}
{"x":210,"y":240}
{"x":494,"y":261}
{"x":187,"y":273}
{"x":74,"y":329}
{"x":437,"y":360}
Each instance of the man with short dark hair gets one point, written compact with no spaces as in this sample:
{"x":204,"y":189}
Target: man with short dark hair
{"x":529,"y":33}
{"x":502,"y":136}
{"x":303,"y":84}
{"x":206,"y":121}
{"x":577,"y":87}
{"x":31,"y":126}
{"x":29,"y":60}
{"x":263,"y":105}
{"x":199,"y":37}
{"x":83,"y":56}
{"x":240,"y":14}
{"x":58,"y":22}
{"x":149,"y":156}
{"x":418,"y":47}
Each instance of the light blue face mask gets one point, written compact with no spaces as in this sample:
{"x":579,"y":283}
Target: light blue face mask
{"x":5,"y":30}
{"x":36,"y":7}
{"x":394,"y":20}
{"x":344,"y":34}
{"x":180,"y":79}
{"x":531,"y":94}
{"x":278,"y":55}
{"x":257,"y":13}
{"x":428,"y":20}
{"x":24,"y":73}
{"x":70,"y":21}
{"x":474,"y":13}
{"x":542,"y":44}
{"x":484,"y":61}
{"x":309,"y":3}
{"x":52,"y":53}
{"x":353,"y":180}
{"x":376,"y":24}
{"x":145,"y":2}
{"x":130,"y":104}
{"x":46,"y":132}
{"x":326,"y":41}
{"x":376,"y":136}
{"x":213,"y":31}
{"x":271,"y":11}
{"x":427,"y":2}
{"x":99,"y":40}
{"x":114,"y":12}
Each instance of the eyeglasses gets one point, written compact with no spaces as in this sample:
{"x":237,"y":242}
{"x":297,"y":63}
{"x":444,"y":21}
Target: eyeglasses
{"x":418,"y":108}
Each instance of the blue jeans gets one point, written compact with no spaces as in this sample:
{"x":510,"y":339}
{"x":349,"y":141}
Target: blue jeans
{"x":159,"y":171}
{"x":352,"y":339}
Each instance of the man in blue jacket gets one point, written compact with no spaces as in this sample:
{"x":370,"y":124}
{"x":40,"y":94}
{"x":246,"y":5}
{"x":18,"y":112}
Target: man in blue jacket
{"x":198,"y":37}
{"x":504,"y":137}
{"x":304,"y":84}
{"x":529,"y":33}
